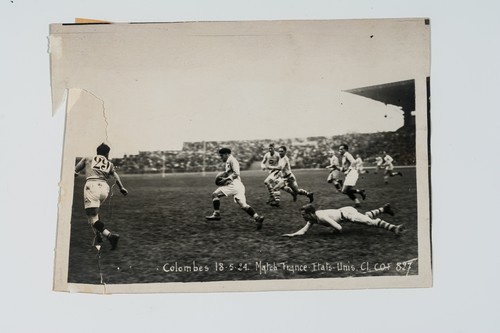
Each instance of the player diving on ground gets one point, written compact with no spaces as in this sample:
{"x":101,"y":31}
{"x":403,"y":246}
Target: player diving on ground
{"x":333,"y":217}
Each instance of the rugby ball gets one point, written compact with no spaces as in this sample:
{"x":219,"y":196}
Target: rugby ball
{"x":219,"y":178}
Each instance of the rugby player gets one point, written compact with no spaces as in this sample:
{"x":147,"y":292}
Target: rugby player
{"x":333,"y":217}
{"x":359,"y":165}
{"x":288,"y":181}
{"x":348,"y":166}
{"x":334,"y":174}
{"x":389,"y":168}
{"x":232,"y":185}
{"x":96,"y":190}
{"x":270,"y":159}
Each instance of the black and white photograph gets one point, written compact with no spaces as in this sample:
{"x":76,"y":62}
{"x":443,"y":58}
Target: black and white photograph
{"x":249,"y":166}
{"x":243,"y":156}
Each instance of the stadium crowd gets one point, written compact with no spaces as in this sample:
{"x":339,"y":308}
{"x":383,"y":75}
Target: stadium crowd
{"x":311,"y":152}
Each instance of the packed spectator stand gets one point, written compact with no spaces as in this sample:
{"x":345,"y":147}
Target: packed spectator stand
{"x":311,"y":152}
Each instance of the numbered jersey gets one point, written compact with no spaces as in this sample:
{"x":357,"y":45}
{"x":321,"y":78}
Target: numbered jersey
{"x":270,"y":160}
{"x":97,"y":167}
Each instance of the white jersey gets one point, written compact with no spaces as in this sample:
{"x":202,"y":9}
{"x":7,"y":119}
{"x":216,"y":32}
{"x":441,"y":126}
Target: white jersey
{"x":334,"y":161}
{"x":348,"y":162}
{"x":270,"y":160}
{"x":96,"y":168}
{"x":233,"y":167}
{"x":334,"y":214}
{"x":285,"y":168}
{"x":388,"y":159}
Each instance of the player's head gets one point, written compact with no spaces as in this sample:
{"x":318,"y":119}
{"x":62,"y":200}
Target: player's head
{"x":224,"y":153}
{"x":308,"y":212}
{"x":271,"y":147}
{"x":343,"y":148}
{"x":282,"y":151}
{"x":103,"y":150}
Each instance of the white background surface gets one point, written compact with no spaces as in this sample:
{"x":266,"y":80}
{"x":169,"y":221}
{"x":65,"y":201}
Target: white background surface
{"x":465,"y":82}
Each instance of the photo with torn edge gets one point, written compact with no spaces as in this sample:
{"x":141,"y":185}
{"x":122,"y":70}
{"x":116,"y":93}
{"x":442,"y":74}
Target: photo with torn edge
{"x":243,"y":156}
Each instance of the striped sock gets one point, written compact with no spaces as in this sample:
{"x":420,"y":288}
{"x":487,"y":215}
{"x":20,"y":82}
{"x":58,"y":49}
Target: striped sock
{"x":385,"y":225}
{"x":374,"y":213}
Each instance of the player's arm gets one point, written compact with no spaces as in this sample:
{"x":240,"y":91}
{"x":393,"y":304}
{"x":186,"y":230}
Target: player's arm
{"x":235,"y":166}
{"x":300,"y":232}
{"x":80,"y":166}
{"x":123,"y":190}
{"x":264,"y":162}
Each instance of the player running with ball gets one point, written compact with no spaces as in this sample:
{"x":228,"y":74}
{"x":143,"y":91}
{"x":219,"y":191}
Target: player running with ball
{"x":231,"y":185}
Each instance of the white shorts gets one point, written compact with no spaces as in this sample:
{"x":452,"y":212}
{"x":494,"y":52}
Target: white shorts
{"x":389,"y":167}
{"x":351,"y":178}
{"x":351,"y":214}
{"x":237,"y":189}
{"x":94,"y":193}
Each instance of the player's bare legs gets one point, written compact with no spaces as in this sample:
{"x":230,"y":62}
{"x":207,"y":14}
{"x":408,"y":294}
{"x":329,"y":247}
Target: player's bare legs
{"x":98,"y":227}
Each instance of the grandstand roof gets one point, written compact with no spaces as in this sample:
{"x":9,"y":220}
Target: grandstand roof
{"x":400,"y":93}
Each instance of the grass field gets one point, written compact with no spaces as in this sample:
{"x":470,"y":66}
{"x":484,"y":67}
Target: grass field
{"x":165,"y":237}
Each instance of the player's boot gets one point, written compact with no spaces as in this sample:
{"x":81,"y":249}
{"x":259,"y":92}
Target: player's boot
{"x":275,"y":203}
{"x":363,"y":194}
{"x":259,"y":220}
{"x":400,"y":173}
{"x":113,"y":240}
{"x":294,"y":196}
{"x":399,"y":229}
{"x":214,"y":217}
{"x":310,"y":195}
{"x":388,"y":209}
